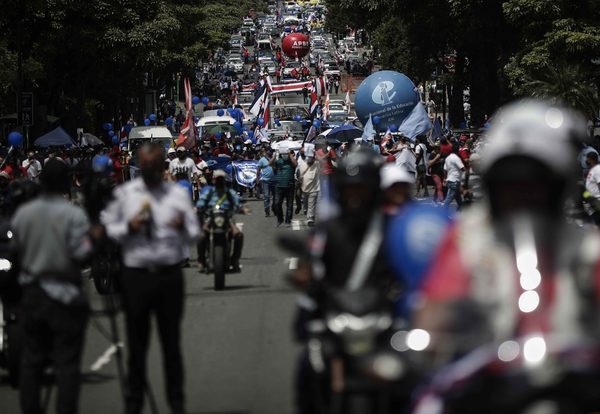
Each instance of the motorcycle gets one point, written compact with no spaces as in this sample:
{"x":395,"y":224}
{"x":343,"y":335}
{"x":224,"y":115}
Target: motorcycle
{"x":352,"y":355}
{"x":531,"y":375}
{"x":10,"y":327}
{"x":219,"y":244}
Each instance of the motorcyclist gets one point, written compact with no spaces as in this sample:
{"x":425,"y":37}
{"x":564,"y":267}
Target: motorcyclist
{"x":511,"y":267}
{"x":220,"y":195}
{"x":339,"y":247}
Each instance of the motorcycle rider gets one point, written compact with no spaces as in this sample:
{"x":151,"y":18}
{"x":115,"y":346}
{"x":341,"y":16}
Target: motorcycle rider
{"x":220,"y":195}
{"x":511,"y":266}
{"x":336,"y":247}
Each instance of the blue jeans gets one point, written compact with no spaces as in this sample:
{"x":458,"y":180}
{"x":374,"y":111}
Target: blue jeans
{"x":453,"y":193}
{"x":268,"y":190}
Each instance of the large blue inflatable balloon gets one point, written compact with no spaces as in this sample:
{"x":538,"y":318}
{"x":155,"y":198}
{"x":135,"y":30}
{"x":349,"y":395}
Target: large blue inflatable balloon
{"x":412,"y":240}
{"x":389,"y":95}
{"x":15,"y":139}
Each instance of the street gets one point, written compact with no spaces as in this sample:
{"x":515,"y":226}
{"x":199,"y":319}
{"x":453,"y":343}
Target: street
{"x":237,"y":344}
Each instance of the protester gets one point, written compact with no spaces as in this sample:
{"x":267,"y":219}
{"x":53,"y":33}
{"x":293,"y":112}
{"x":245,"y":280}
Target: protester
{"x":454,"y":168}
{"x":284,"y":165}
{"x":152,"y":220}
{"x":310,"y":184}
{"x":32,"y":166}
{"x":267,"y":182}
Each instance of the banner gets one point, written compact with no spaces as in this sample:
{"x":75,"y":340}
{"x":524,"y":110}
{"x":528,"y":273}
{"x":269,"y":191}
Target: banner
{"x":245,"y":173}
{"x":217,"y":163}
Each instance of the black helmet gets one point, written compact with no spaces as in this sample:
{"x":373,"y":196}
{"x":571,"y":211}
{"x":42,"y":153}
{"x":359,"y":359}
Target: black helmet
{"x":360,"y":166}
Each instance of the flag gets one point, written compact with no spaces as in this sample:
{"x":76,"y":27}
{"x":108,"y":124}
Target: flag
{"x":416,"y":123}
{"x":260,"y":96}
{"x":326,"y":108}
{"x":290,"y":87}
{"x":347,"y":101}
{"x":320,"y":84}
{"x":245,"y":173}
{"x":187,"y":133}
{"x":385,"y":139}
{"x":311,"y":135}
{"x":314,"y":103}
{"x":368,"y":131}
{"x":436,"y":131}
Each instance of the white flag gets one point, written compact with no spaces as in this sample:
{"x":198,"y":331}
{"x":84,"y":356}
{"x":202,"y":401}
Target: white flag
{"x":368,"y":131}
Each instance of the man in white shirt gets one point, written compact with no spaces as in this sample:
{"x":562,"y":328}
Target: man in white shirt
{"x":454,"y":168}
{"x":152,"y":220}
{"x":32,"y":166}
{"x":183,"y":165}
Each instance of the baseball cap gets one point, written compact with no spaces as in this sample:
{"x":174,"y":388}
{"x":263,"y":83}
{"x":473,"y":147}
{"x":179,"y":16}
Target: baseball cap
{"x":181,"y":149}
{"x":392,"y":174}
{"x":171,"y":151}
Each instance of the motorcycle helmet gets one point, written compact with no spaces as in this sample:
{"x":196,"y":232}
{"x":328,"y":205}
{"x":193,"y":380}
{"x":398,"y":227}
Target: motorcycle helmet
{"x":527,"y":162}
{"x":356,"y":184}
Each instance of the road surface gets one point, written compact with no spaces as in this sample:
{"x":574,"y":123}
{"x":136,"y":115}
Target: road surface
{"x":237,"y":344}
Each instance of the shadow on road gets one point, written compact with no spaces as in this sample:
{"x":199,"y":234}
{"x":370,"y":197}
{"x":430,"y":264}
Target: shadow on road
{"x":239,"y":287}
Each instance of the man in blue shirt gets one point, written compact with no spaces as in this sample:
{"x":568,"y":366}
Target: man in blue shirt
{"x":220,"y":195}
{"x":267,"y":181}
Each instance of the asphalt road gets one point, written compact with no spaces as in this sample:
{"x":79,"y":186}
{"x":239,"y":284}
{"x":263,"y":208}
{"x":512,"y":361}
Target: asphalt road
{"x":237,"y":344}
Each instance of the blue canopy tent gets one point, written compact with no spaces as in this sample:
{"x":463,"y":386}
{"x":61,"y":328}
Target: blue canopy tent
{"x":55,"y":138}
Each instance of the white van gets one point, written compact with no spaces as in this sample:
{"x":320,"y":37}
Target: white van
{"x":211,"y":119}
{"x":142,"y":134}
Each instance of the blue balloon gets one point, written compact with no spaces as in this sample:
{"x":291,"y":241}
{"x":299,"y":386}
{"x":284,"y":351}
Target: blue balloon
{"x":393,"y":128}
{"x":260,"y":121}
{"x":237,"y":125}
{"x":205,"y":101}
{"x":230,"y":110}
{"x":220,"y":112}
{"x":111,"y":133}
{"x":115,"y":140}
{"x":412,"y":240}
{"x":195,"y":100}
{"x":250,"y":134}
{"x":169,"y":121}
{"x":305,"y":122}
{"x":15,"y":139}
{"x":387,"y":94}
{"x":107,"y":126}
{"x":376,"y":120}
{"x":152,"y":117}
{"x":146,"y":122}
{"x":128,"y":127}
{"x":218,"y":135}
{"x":101,"y":163}
{"x":317,"y":123}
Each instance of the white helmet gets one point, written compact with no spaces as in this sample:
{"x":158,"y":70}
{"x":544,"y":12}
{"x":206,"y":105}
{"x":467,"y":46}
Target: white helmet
{"x":538,"y":130}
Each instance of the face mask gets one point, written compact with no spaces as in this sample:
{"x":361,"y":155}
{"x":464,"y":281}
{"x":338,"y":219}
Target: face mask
{"x":310,"y":160}
{"x":151,"y":176}
{"x":181,"y":156}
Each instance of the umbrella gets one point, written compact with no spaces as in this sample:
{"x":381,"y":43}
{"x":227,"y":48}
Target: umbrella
{"x":286,"y":145}
{"x":344,"y":133}
{"x":88,"y":139}
{"x":57,"y":137}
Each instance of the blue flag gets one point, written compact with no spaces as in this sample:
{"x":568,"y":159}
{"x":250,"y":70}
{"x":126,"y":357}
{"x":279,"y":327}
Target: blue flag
{"x":416,"y":123}
{"x":245,"y":173}
{"x":217,"y":163}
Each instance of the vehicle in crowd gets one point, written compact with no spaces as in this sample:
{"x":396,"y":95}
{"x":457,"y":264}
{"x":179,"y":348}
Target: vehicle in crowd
{"x":211,"y":124}
{"x":331,"y":69}
{"x":290,"y":65}
{"x":336,"y":119}
{"x":236,"y":63}
{"x":286,"y":129}
{"x":350,"y":44}
{"x":142,"y":134}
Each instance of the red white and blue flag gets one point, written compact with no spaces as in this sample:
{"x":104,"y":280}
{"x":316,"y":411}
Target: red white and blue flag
{"x":187,"y":133}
